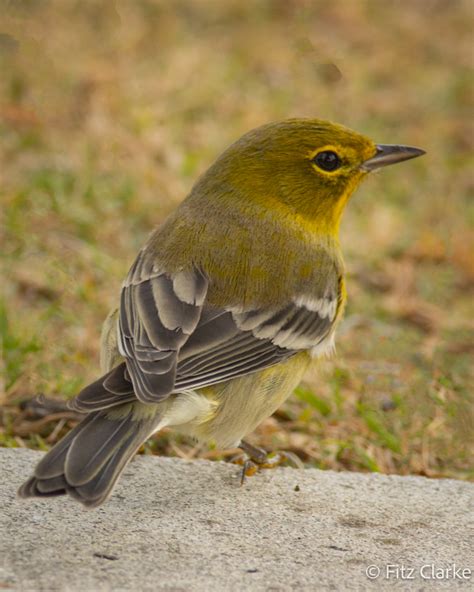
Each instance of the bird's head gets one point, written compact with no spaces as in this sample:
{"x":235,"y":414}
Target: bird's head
{"x":306,"y":167}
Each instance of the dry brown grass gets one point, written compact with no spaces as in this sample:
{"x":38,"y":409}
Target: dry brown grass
{"x":109,"y":111}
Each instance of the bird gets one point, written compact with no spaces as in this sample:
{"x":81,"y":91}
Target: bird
{"x":225,"y":306}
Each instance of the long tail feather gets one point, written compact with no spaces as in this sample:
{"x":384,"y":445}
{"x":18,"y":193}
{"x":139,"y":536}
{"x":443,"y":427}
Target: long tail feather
{"x":88,"y":461}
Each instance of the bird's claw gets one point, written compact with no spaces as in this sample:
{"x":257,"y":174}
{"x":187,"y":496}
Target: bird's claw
{"x":254,"y":459}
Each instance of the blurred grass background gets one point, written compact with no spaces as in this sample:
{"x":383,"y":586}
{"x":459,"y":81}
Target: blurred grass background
{"x":108,"y":113}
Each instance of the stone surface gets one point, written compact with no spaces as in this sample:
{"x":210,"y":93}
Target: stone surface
{"x":178,"y":526}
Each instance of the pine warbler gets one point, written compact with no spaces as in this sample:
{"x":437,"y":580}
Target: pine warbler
{"x":225,"y":305}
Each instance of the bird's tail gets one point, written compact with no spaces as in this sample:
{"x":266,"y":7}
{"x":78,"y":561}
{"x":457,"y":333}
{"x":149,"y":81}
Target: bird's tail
{"x":87,"y":462}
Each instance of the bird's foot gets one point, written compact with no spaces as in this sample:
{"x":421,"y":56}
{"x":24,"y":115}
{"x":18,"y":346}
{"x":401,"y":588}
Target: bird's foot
{"x":254,"y":459}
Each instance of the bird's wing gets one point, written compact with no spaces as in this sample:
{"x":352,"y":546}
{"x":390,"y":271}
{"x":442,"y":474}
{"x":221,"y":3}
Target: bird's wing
{"x":172,"y":340}
{"x":158,"y":312}
{"x":228,"y":344}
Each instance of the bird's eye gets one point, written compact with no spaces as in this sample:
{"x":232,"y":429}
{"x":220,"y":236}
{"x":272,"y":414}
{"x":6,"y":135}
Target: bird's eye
{"x":327,"y":160}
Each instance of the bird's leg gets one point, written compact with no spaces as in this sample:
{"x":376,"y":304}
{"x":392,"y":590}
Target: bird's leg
{"x":257,"y":459}
{"x":258,"y":455}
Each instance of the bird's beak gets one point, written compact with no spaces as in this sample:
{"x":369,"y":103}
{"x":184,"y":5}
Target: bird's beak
{"x":390,"y":154}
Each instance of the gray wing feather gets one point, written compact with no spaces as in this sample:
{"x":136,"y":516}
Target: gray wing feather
{"x":158,"y":313}
{"x":109,"y":390}
{"x":190,"y":287}
{"x":231,"y":345}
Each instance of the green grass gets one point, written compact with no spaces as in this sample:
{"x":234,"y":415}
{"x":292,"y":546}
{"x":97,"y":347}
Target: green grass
{"x":110,"y":111}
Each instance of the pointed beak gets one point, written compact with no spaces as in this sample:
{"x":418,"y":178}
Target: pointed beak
{"x":390,"y":154}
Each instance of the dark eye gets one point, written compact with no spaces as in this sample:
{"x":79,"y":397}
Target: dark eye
{"x":327,"y":160}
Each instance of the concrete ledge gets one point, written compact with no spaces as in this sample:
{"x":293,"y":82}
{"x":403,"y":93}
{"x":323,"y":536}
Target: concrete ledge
{"x":188,"y":526}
